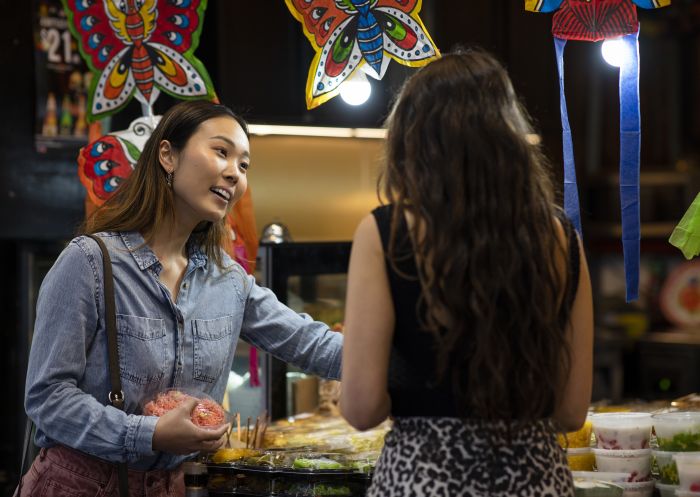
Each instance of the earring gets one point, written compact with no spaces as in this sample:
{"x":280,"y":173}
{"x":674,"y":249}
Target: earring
{"x":169,"y":179}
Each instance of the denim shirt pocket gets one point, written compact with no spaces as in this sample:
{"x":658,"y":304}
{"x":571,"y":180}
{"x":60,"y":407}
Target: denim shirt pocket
{"x":142,"y":346}
{"x":212,"y":344}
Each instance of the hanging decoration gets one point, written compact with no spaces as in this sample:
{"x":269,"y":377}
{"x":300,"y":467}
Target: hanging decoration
{"x":614,"y":22}
{"x":357,"y":37}
{"x":106,"y":162}
{"x":139,"y":48}
{"x":686,"y":236}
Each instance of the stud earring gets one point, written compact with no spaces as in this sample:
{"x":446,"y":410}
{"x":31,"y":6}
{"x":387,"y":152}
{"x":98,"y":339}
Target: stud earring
{"x":169,"y":179}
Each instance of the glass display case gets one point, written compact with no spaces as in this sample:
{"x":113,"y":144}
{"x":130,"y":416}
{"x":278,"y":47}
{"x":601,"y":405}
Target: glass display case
{"x":309,"y":277}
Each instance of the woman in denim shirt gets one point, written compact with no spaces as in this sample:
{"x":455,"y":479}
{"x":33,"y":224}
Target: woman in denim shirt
{"x":182,"y":304}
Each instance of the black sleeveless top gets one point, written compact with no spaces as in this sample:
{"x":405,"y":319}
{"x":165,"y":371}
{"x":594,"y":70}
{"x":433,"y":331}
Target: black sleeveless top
{"x":412,"y":382}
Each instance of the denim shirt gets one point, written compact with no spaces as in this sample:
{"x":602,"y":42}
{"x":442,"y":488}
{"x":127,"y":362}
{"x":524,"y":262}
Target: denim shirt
{"x":189,"y":343}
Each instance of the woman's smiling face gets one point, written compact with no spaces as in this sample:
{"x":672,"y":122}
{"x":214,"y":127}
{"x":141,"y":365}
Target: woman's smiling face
{"x":209,"y":173}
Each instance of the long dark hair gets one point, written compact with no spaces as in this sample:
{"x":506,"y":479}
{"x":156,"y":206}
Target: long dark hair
{"x":460,"y":164}
{"x":144,"y":202}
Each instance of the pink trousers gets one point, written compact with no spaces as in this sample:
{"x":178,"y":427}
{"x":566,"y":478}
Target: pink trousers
{"x":63,"y":472}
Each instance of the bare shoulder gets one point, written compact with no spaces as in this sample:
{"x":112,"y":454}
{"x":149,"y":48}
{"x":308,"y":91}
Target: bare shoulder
{"x":367,"y":235}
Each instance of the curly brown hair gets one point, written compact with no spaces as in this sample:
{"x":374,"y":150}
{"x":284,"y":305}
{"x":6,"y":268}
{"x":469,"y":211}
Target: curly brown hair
{"x":484,"y":229}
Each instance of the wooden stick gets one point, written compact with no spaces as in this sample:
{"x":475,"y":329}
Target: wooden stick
{"x":263,"y":428}
{"x":247,"y":432}
{"x":238,"y":425}
{"x":255,"y":433}
{"x":228,"y":436}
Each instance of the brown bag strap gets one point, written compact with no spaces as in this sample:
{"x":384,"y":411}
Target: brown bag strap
{"x":116,"y":395}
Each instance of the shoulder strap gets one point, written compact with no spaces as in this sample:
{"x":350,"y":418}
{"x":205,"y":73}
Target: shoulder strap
{"x":116,"y":396}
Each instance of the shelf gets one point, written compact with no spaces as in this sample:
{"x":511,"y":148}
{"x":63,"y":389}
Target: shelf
{"x":648,"y":230}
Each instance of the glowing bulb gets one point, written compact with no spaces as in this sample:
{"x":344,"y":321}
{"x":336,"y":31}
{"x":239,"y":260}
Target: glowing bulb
{"x":355,"y":90}
{"x":615,"y":52}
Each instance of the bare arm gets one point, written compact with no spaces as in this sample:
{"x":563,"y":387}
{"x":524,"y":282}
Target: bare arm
{"x":576,"y":396}
{"x":369,"y":328}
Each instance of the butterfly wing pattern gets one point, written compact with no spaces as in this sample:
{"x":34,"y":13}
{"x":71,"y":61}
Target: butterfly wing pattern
{"x":104,"y":164}
{"x":139,"y":48}
{"x":348,"y":35}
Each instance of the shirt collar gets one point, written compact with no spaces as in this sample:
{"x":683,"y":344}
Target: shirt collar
{"x":145,"y":258}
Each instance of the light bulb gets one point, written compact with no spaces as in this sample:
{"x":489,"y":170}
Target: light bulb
{"x":356,"y":89}
{"x":615,"y":52}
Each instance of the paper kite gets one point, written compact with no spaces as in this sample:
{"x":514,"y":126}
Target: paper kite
{"x":348,"y":35}
{"x":104,"y":163}
{"x":139,"y":48}
{"x":597,"y":20}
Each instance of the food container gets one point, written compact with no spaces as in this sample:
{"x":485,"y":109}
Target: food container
{"x":622,"y":430}
{"x":638,"y":489}
{"x":688,"y":464}
{"x":577,"y":439}
{"x":666,"y":490}
{"x":580,"y":459}
{"x":666,"y":466}
{"x":601,"y":476}
{"x":677,"y":431}
{"x":636,"y":463}
{"x":596,"y":488}
{"x":206,"y":414}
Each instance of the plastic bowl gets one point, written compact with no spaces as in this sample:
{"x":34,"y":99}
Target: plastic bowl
{"x":580,"y":459}
{"x":677,"y":431}
{"x":688,"y":464}
{"x":638,"y":488}
{"x":206,"y":414}
{"x":668,"y":472}
{"x":636,"y":463}
{"x":622,"y":430}
{"x":666,"y":490}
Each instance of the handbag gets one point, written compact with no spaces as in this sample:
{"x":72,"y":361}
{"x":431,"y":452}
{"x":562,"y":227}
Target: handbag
{"x":116,"y":395}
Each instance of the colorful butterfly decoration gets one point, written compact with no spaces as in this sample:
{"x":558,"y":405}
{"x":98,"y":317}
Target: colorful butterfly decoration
{"x":596,"y":20}
{"x":348,"y":35}
{"x":106,"y":162}
{"x":139,"y":48}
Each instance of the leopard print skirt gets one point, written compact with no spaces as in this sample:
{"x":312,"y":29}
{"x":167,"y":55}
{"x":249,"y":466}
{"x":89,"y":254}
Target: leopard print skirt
{"x":453,"y":457}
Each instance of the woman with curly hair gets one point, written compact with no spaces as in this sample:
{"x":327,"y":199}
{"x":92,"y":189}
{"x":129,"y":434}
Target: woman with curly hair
{"x":468,"y":315}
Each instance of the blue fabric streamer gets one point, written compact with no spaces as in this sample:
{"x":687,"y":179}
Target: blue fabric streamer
{"x":630,"y":142}
{"x":571,"y":203}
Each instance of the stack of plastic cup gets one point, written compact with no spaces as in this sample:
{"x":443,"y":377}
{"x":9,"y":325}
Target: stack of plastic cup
{"x":676,"y":433}
{"x":622,"y":446}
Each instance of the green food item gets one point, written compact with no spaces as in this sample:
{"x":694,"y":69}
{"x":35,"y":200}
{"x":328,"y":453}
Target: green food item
{"x":363,"y":466}
{"x":321,"y":463}
{"x":669,"y":473}
{"x":318,"y":490}
{"x":681,"y":442}
{"x":323,"y":490}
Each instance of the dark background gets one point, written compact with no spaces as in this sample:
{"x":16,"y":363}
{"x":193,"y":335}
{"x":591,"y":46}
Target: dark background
{"x":258,"y":58}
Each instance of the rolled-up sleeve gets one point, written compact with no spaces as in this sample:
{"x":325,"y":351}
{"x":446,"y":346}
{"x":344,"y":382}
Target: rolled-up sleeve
{"x":289,"y":336}
{"x":66,"y":323}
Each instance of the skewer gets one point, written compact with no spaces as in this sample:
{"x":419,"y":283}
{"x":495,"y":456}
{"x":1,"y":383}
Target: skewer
{"x":228,"y":436}
{"x":254,"y":441}
{"x":247,"y":432}
{"x":263,"y":428}
{"x":238,"y":425}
